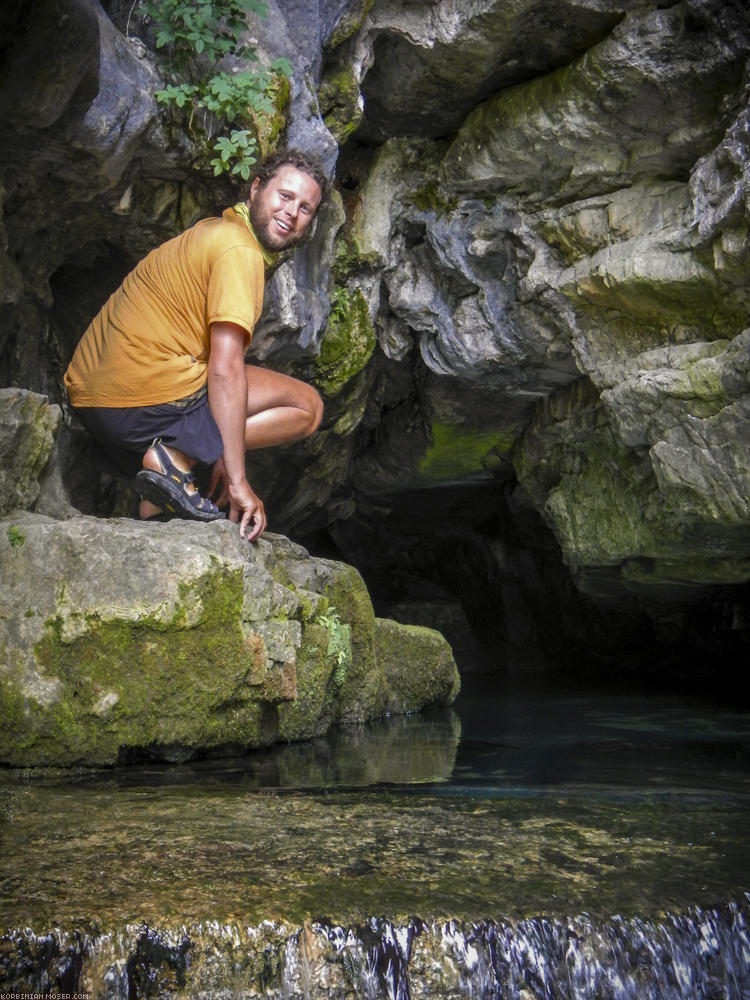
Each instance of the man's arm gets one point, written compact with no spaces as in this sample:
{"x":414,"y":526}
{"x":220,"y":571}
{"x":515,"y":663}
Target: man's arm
{"x":227,"y":398}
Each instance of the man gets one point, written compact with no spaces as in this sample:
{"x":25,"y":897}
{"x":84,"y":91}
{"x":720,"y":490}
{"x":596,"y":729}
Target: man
{"x":160,"y":372}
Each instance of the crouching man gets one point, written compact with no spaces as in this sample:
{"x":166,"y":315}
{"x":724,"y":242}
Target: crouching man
{"x":159,"y":376}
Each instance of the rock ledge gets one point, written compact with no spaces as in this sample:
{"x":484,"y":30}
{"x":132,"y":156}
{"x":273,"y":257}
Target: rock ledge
{"x":123,"y":640}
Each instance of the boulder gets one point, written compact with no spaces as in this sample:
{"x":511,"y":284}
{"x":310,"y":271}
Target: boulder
{"x":124,"y":640}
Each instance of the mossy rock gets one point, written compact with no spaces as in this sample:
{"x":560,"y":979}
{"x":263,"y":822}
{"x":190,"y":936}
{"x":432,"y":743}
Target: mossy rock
{"x":122,"y":640}
{"x":455,"y":452}
{"x":348,"y":342}
{"x":341,"y":104}
{"x":418,"y":666}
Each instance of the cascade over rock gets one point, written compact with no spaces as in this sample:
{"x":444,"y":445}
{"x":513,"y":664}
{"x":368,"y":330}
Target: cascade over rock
{"x":703,"y":952}
{"x":526,"y":304}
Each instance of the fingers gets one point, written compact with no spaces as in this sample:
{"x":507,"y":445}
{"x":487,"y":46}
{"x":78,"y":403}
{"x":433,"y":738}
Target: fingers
{"x":247,"y":509}
{"x":256,"y":524}
{"x":252,"y":526}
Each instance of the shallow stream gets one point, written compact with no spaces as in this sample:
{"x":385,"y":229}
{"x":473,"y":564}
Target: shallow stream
{"x":526,"y":843}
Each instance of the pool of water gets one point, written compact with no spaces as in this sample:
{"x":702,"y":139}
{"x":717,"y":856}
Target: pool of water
{"x":527,"y":842}
{"x":525,"y":737}
{"x":510,"y":739}
{"x":516,"y":801}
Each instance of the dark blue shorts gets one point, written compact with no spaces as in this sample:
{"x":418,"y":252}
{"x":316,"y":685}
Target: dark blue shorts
{"x":126,"y":432}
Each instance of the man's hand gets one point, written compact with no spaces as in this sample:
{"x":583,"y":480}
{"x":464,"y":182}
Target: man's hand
{"x":246,"y":507}
{"x":244,"y":504}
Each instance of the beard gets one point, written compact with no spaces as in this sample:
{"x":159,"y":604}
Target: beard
{"x":262,"y":222}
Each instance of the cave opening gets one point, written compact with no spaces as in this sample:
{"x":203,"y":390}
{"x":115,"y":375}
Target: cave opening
{"x":481,"y":566}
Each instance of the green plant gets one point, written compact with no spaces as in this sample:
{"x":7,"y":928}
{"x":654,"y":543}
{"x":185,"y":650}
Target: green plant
{"x":192,"y":38}
{"x":236,"y":152}
{"x":339,"y":305}
{"x":15,"y":536}
{"x":338,"y":636}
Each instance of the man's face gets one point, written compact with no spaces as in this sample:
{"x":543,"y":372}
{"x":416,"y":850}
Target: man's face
{"x":283,"y":208}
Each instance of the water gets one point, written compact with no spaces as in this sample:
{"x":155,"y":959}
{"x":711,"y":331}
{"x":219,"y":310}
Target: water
{"x":527,"y":843}
{"x":533,"y":738}
{"x":512,"y":739}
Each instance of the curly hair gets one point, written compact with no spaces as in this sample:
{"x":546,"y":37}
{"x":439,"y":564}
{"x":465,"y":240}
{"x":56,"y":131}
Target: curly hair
{"x":297,"y":159}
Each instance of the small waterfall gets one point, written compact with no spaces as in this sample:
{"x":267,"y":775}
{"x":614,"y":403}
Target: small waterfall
{"x":701,"y":954}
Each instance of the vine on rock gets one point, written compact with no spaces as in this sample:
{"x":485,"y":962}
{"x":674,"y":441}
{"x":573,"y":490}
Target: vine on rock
{"x":192,"y":37}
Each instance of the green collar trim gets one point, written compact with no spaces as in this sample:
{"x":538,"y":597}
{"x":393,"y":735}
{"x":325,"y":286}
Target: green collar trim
{"x":244,"y":212}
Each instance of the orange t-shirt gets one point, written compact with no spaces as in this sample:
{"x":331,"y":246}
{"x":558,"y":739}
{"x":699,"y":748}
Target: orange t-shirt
{"x":150,"y":342}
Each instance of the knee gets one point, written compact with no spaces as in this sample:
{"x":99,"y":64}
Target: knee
{"x":314,"y":407}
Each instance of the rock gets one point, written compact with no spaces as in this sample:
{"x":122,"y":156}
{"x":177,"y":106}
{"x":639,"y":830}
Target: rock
{"x":421,"y":72}
{"x":438,"y":955}
{"x":125,"y":640}
{"x":28,"y":423}
{"x":579,"y":130}
{"x":535,"y":203}
{"x":679,"y":496}
{"x":418,"y":665}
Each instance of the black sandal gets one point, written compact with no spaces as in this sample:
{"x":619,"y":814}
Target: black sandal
{"x":168,"y":490}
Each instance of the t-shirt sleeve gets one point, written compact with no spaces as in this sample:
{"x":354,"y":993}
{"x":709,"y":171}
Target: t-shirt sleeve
{"x":235,"y":288}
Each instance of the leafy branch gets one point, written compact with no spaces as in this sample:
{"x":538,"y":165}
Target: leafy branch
{"x":192,"y":39}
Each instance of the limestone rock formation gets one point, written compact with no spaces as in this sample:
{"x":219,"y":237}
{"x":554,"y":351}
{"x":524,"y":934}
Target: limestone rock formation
{"x":28,"y":424}
{"x":526,"y":304}
{"x":124,"y":640}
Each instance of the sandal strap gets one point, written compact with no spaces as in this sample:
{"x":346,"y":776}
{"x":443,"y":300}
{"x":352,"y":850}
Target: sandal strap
{"x":168,"y":466}
{"x":200,"y":504}
{"x":205,"y":505}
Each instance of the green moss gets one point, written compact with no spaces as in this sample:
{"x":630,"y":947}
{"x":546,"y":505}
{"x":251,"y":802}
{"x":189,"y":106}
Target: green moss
{"x":270,"y":125}
{"x":430,"y":199}
{"x":349,"y":259}
{"x":418,"y":665}
{"x":184,"y":682}
{"x":321,"y":665}
{"x":454,"y":454}
{"x":12,"y":704}
{"x":348,"y":342}
{"x":340,"y":103}
{"x":363,"y":692}
{"x":350,"y":22}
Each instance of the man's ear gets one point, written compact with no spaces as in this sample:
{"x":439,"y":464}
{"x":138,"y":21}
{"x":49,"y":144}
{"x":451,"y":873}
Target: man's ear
{"x":253,"y":190}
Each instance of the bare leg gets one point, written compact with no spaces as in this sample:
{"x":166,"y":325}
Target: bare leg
{"x":279,"y":408}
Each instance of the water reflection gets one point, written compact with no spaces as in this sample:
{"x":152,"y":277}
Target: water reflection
{"x":510,"y":740}
{"x":403,"y":750}
{"x":510,"y":804}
